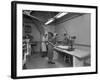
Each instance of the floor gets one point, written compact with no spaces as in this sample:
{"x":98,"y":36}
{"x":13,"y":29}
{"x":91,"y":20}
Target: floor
{"x":35,"y":61}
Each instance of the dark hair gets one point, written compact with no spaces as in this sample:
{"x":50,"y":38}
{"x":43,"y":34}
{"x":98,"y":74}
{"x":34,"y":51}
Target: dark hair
{"x":50,"y":33}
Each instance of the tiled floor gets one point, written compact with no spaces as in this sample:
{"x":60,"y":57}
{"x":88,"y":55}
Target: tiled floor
{"x":37,"y":62}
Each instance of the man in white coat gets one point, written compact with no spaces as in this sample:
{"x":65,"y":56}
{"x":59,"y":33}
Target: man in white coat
{"x":44,"y":47}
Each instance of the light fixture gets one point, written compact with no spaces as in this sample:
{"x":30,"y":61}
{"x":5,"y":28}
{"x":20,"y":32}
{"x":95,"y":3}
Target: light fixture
{"x":59,"y":15}
{"x":49,"y":21}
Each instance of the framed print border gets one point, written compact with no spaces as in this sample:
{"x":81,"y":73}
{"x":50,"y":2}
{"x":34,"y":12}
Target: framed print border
{"x":14,"y":38}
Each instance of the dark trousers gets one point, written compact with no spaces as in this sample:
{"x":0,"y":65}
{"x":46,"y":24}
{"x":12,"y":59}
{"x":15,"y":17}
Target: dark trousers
{"x":50,"y":52}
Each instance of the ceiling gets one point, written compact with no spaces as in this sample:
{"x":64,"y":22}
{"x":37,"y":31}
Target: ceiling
{"x":43,"y":16}
{"x":39,"y":18}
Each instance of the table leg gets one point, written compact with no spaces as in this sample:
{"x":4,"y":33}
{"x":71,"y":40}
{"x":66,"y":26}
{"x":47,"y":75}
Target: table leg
{"x":77,"y":62}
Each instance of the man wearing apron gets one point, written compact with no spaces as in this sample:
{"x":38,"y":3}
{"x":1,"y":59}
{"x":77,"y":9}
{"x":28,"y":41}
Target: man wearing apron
{"x":50,"y":48}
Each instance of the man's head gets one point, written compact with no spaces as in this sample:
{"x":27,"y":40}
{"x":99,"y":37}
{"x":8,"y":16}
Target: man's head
{"x":50,"y":34}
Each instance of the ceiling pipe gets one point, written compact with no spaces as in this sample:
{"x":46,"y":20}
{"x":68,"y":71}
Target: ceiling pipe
{"x":39,"y":21}
{"x":28,"y":14}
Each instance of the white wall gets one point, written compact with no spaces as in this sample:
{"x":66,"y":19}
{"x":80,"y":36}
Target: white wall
{"x":50,"y":28}
{"x":79,"y":27}
{"x":36,"y":36}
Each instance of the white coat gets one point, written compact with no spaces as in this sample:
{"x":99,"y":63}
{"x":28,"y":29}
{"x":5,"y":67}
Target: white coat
{"x":44,"y":49}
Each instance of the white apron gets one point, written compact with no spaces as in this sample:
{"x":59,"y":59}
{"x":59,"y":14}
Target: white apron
{"x":44,"y":49}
